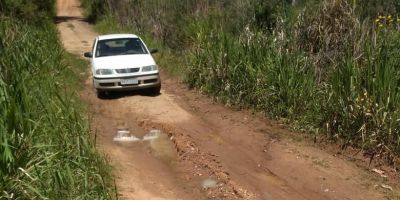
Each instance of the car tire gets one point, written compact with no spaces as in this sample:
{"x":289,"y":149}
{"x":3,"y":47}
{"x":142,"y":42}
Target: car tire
{"x":100,"y":94}
{"x":155,"y":90}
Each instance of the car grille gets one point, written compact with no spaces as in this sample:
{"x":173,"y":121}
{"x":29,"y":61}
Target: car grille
{"x":107,"y":84}
{"x":150,"y":81}
{"x":127,"y":70}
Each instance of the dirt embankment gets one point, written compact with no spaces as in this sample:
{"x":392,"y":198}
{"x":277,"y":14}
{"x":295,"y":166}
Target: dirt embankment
{"x":208,"y":151}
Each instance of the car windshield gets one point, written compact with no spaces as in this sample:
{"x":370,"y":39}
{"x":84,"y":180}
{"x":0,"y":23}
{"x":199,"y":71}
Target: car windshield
{"x":120,"y":46}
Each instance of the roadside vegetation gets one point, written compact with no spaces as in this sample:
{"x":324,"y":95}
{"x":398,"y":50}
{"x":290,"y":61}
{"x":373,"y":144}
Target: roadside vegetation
{"x":330,"y":67}
{"x":46,"y":150}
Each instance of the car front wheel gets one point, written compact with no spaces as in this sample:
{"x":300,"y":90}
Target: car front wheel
{"x":155,"y":90}
{"x":100,"y":94}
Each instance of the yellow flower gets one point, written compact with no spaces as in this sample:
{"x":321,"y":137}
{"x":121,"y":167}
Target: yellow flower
{"x":377,"y":20}
{"x":389,"y":17}
{"x":381,"y":25}
{"x":381,"y":17}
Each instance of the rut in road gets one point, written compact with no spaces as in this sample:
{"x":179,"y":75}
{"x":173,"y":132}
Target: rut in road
{"x":208,"y":151}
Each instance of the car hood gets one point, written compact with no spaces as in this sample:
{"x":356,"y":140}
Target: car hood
{"x":123,"y":61}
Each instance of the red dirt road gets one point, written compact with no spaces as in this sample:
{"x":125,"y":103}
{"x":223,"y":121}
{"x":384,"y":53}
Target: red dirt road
{"x":248,"y":156}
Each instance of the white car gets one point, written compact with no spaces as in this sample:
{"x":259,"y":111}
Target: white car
{"x":123,"y":62}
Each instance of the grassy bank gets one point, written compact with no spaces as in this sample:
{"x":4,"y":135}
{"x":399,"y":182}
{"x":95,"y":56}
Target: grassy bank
{"x":46,"y":150}
{"x":328,"y":67}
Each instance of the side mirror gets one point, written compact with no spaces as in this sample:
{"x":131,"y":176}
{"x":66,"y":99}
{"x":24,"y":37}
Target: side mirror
{"x":153,"y":51}
{"x":88,"y":54}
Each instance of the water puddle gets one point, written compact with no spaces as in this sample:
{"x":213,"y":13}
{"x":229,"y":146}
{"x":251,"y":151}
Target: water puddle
{"x":152,"y":135}
{"x":209,"y":183}
{"x":161,"y":146}
{"x":158,"y":142}
{"x":125,"y":136}
{"x":158,"y":149}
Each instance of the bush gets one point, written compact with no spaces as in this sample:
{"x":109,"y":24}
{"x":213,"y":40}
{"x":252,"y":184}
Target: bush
{"x":35,"y":11}
{"x":328,"y":34}
{"x":373,"y":8}
{"x":95,"y":9}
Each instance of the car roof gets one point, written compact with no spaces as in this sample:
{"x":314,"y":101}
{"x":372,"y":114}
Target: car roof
{"x":116,"y":36}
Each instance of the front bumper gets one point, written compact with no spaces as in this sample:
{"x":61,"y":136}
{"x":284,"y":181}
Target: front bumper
{"x":114,"y":84}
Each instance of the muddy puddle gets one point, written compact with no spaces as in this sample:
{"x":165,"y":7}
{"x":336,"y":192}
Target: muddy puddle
{"x":125,"y":136}
{"x":157,"y":148}
{"x":155,"y":141}
{"x":209,"y":183}
{"x":162,"y":147}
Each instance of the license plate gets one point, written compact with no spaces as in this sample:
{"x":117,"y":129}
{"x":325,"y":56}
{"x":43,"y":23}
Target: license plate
{"x":129,"y":81}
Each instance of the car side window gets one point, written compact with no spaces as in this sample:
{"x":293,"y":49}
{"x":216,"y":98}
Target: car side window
{"x":103,"y":49}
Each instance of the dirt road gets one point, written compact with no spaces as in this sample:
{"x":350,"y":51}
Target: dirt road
{"x":208,"y":151}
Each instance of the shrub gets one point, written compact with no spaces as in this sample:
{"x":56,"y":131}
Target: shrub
{"x":35,"y":11}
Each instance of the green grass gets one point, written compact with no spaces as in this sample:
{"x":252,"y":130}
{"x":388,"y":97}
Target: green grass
{"x":46,"y":149}
{"x":354,"y":100}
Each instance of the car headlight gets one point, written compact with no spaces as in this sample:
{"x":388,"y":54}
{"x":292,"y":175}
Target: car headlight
{"x":149,"y":68}
{"x":104,"y":71}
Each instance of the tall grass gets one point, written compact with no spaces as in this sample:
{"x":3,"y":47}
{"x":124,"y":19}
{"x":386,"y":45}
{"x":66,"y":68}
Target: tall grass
{"x":46,"y":151}
{"x":364,"y":105}
{"x":339,"y":79}
{"x":252,"y":70}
